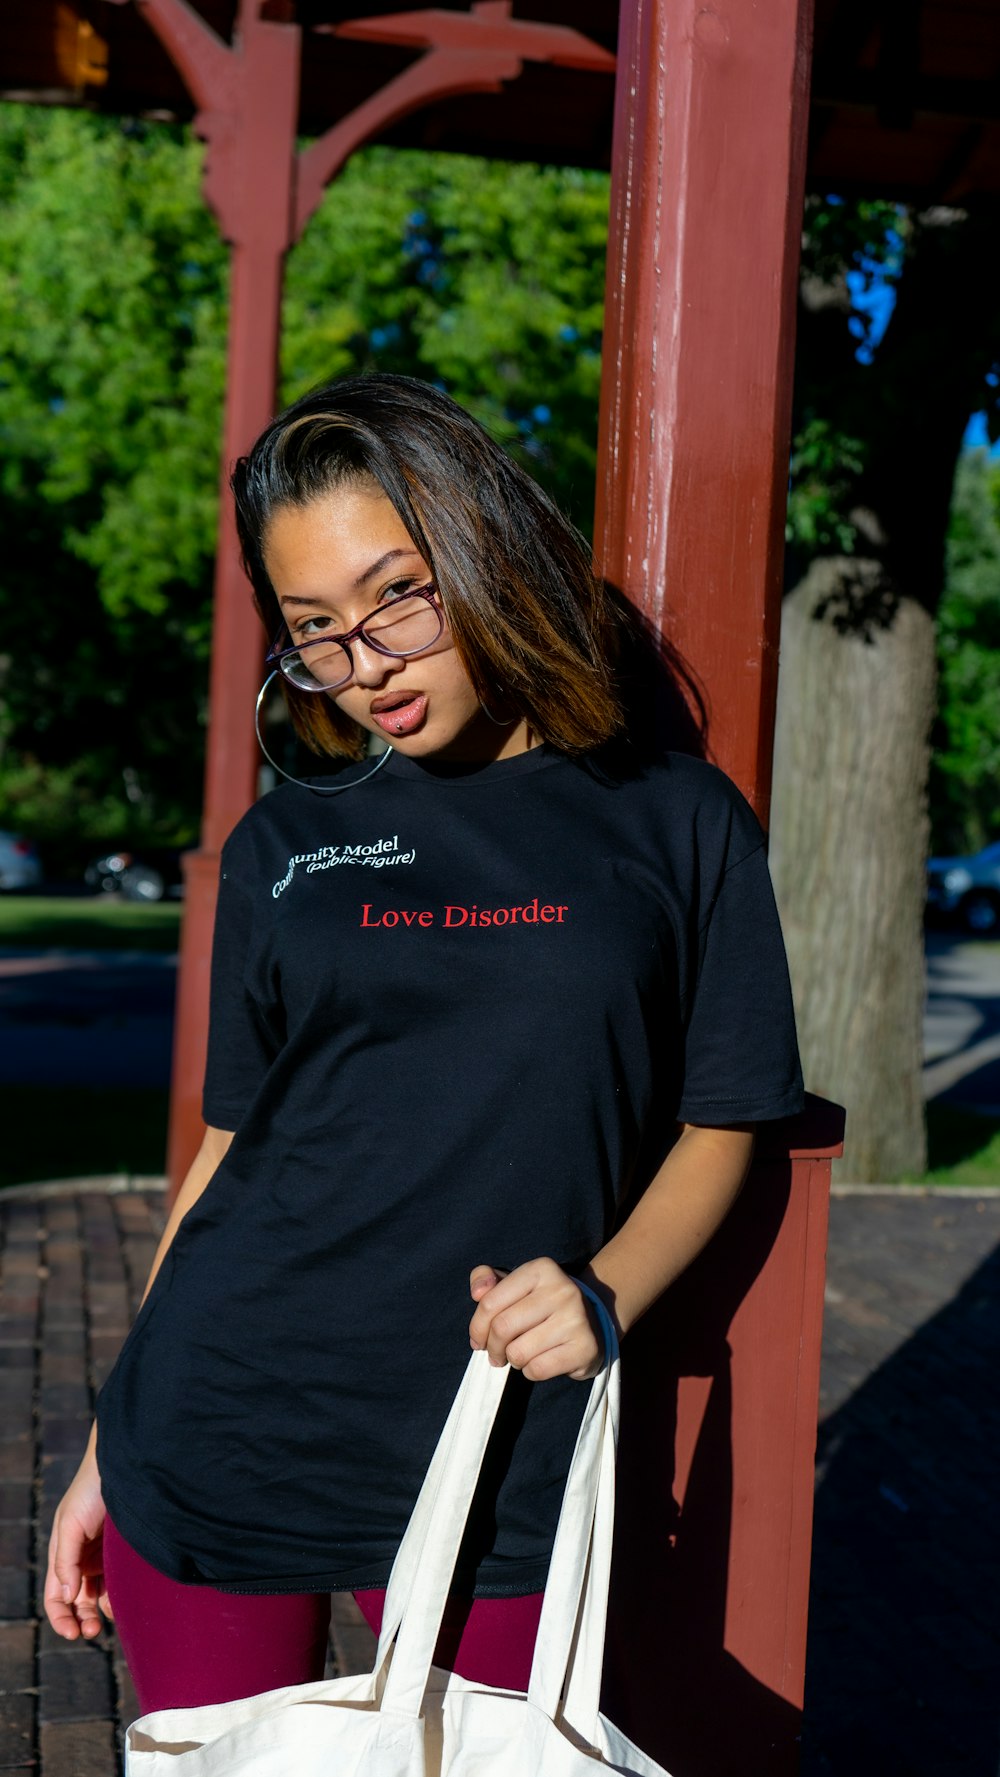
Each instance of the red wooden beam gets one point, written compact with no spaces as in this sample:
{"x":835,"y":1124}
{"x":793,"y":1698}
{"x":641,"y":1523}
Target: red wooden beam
{"x":487,"y":26}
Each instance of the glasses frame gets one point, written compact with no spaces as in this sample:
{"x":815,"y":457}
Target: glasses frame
{"x":276,"y":655}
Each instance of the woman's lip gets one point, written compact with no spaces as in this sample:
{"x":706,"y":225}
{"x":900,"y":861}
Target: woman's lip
{"x":404,"y":718}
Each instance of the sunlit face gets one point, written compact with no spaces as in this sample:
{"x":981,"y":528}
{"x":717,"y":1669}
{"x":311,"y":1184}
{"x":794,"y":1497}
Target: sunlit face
{"x":333,"y":562}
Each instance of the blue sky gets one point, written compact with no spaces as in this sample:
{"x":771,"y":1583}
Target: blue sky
{"x":977,"y":435}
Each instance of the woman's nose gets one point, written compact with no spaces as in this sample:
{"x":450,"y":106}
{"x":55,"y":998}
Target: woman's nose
{"x":371,"y":667}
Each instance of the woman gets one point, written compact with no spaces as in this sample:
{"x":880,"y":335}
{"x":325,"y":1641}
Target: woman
{"x":494,"y":1014}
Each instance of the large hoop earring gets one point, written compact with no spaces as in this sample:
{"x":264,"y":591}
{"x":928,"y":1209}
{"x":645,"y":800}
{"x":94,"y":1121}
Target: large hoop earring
{"x":496,"y":719}
{"x":317,"y":789}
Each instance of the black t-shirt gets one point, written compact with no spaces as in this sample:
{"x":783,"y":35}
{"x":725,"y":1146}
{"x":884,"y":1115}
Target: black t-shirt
{"x":456,"y":1017}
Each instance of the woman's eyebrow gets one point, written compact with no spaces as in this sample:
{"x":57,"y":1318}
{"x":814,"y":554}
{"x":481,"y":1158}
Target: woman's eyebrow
{"x":383,"y":562}
{"x":290,"y":598}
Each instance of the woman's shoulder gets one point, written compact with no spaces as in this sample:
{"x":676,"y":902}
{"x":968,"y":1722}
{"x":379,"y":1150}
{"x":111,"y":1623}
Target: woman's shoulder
{"x":684,"y":788}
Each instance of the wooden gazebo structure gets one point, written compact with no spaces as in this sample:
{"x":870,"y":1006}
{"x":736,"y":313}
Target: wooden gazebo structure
{"x":708,"y":113}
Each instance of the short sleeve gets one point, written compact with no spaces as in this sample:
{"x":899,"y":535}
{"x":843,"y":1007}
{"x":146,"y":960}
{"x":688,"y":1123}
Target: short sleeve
{"x":240,"y":1048}
{"x":741,"y":1059}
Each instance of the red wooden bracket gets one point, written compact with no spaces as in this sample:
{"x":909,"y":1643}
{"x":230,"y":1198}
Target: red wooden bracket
{"x":488,"y":26}
{"x":442,"y":73}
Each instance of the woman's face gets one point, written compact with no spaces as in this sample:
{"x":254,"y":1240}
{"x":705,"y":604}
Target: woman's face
{"x":343,"y":556}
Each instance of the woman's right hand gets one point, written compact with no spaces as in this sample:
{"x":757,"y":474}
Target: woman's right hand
{"x":74,"y":1584}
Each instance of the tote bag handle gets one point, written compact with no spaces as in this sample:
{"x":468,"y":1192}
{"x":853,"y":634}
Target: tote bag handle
{"x":429,"y":1550}
{"x":570,"y":1645}
{"x":568,"y":1661}
{"x":474,"y":1407}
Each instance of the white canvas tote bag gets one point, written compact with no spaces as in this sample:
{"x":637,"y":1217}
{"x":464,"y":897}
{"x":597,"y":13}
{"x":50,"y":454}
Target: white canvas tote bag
{"x":407,"y":1717}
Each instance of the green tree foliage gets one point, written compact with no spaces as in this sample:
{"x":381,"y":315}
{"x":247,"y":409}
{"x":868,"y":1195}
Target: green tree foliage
{"x":111,"y":323}
{"x":485,"y":277}
{"x":965,"y":780}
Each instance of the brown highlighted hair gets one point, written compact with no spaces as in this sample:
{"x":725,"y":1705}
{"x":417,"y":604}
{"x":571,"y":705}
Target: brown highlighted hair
{"x":532,"y":623}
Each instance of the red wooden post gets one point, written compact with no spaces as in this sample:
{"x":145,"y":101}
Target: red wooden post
{"x":719,"y":1440}
{"x":248,"y":112}
{"x":707,"y":1635}
{"x":708,"y":172}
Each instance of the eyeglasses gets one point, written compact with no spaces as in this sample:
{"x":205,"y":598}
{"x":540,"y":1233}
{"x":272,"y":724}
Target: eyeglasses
{"x":403,"y":626}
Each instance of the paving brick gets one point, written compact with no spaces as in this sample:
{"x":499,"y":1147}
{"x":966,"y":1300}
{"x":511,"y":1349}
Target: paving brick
{"x":103,"y":1347}
{"x":64,"y":1341}
{"x":48,"y":1640}
{"x":16,"y":1391}
{"x":63,"y":1366}
{"x":15,"y":1591}
{"x":15,"y":1543}
{"x":60,"y":1214}
{"x":17,"y":1656}
{"x":57,"y":1473}
{"x":74,"y":1684}
{"x":16,"y":1498}
{"x":17,"y":1458}
{"x":64,"y":1400}
{"x":19,"y":1262}
{"x":63,"y":1437}
{"x":77,"y":1749}
{"x":17,"y":1732}
{"x":20,"y":1304}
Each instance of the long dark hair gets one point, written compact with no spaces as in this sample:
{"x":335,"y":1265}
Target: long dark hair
{"x":531,"y":621}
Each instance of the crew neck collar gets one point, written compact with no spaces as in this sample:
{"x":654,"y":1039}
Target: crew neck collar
{"x":494,"y":771}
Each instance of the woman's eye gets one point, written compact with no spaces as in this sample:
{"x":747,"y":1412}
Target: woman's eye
{"x":312,"y":626}
{"x":397,"y":590}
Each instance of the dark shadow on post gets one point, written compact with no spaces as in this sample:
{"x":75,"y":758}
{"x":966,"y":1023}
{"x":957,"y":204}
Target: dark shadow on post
{"x":669,"y":1681}
{"x":903,"y":1673}
{"x":663,"y":697}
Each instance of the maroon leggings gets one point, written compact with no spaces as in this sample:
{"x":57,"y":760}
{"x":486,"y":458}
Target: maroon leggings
{"x":186,"y":1645}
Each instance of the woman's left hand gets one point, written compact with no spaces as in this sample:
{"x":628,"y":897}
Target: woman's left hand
{"x":535,"y":1319}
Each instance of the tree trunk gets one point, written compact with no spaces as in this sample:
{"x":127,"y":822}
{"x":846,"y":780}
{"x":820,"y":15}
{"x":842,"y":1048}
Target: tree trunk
{"x":848,"y":842}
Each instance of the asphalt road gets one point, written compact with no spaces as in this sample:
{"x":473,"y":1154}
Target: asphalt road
{"x":86,"y":1018}
{"x":962,"y":1023}
{"x":105,"y":1018}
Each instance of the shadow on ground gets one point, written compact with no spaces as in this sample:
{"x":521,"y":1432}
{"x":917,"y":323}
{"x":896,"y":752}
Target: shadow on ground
{"x":903,"y":1674}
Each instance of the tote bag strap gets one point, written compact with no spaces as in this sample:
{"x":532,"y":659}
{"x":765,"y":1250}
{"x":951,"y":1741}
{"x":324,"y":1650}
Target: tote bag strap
{"x":573,"y":1624}
{"x":421,"y":1576}
{"x":410,"y":1552}
{"x":569,"y":1649}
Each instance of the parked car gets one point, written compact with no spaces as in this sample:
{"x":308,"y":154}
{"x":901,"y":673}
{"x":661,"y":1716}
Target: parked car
{"x":20,"y":864}
{"x":968,"y":889}
{"x":150,"y":876}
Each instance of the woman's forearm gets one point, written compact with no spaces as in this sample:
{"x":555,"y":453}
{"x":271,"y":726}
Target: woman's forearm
{"x":212,"y":1151}
{"x":675,"y":1217}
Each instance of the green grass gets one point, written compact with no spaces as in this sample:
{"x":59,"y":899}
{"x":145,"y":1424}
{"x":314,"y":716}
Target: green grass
{"x":53,"y":1132}
{"x":105,"y":923}
{"x":962,"y":1148}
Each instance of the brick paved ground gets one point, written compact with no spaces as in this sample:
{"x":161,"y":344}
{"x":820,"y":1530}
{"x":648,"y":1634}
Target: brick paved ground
{"x":72,"y":1270}
{"x":903,"y":1676}
{"x":904,"y":1641}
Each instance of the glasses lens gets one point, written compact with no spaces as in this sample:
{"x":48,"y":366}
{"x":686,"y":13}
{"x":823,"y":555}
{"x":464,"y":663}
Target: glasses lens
{"x":317,"y":666}
{"x":405,"y":626}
